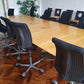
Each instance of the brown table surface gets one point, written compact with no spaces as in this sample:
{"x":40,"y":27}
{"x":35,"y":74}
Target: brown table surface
{"x":76,"y":21}
{"x":43,"y":30}
{"x":54,"y":17}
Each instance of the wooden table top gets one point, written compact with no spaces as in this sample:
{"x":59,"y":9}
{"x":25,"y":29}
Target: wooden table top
{"x":43,"y":30}
{"x":54,"y":17}
{"x":76,"y":21}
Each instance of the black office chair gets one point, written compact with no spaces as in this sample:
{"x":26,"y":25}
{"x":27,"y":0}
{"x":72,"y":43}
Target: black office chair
{"x":65,"y":17}
{"x":69,"y":61}
{"x":10,"y":12}
{"x":23,"y":31}
{"x":69,"y":10}
{"x":81,"y":22}
{"x":47,"y":14}
{"x":11,"y":34}
{"x":32,"y":11}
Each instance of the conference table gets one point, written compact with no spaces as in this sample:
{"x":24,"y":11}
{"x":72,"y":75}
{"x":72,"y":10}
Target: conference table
{"x":43,"y":31}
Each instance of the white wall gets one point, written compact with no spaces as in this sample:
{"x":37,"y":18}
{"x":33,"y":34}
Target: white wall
{"x":1,"y":9}
{"x":63,"y":4}
{"x":12,"y":4}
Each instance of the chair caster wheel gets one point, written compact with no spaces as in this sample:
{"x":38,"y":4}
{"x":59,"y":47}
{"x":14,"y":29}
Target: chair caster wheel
{"x":54,"y":82}
{"x":7,"y":56}
{"x":24,"y":75}
{"x":17,"y":65}
{"x":42,"y":71}
{"x":42,"y":60}
{"x":18,"y":59}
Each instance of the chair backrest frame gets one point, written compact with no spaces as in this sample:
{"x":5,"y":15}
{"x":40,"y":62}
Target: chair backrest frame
{"x":23,"y":35}
{"x":69,"y":61}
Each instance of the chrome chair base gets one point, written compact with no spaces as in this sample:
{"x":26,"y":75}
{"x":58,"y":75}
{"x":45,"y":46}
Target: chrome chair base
{"x":71,"y":82}
{"x":7,"y":42}
{"x":18,"y":52}
{"x":7,"y":45}
{"x":46,"y":56}
{"x":55,"y":82}
{"x":31,"y":65}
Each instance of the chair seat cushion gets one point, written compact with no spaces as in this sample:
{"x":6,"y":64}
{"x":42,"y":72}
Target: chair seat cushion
{"x":32,"y":48}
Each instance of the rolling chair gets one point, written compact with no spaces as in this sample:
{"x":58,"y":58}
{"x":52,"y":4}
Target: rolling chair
{"x":23,"y":31}
{"x":11,"y":34}
{"x":81,"y":22}
{"x":69,"y":61}
{"x":65,"y":17}
{"x":10,"y":12}
{"x":69,"y":10}
{"x":32,"y":11}
{"x":47,"y":14}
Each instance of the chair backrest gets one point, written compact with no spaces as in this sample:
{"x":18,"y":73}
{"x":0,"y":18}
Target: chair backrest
{"x":10,"y":12}
{"x":23,"y":35}
{"x":57,"y":12}
{"x":65,"y":17}
{"x":47,"y":14}
{"x":79,"y":15}
{"x":69,"y":61}
{"x":10,"y":31}
{"x":81,"y":22}
{"x":69,"y":10}
{"x":32,"y":11}
{"x":3,"y":28}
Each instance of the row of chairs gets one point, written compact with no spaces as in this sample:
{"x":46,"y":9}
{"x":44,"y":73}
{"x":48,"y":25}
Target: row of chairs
{"x":77,"y":16}
{"x":11,"y":11}
{"x":65,"y":16}
{"x":20,"y":31}
{"x":69,"y":58}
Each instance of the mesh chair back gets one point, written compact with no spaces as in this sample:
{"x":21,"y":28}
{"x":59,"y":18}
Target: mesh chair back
{"x":65,"y":17}
{"x":23,"y":35}
{"x":32,"y":11}
{"x":10,"y":12}
{"x":47,"y":14}
{"x":69,"y":61}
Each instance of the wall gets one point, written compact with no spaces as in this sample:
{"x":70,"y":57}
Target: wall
{"x":1,"y":9}
{"x":12,"y":4}
{"x":63,"y":4}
